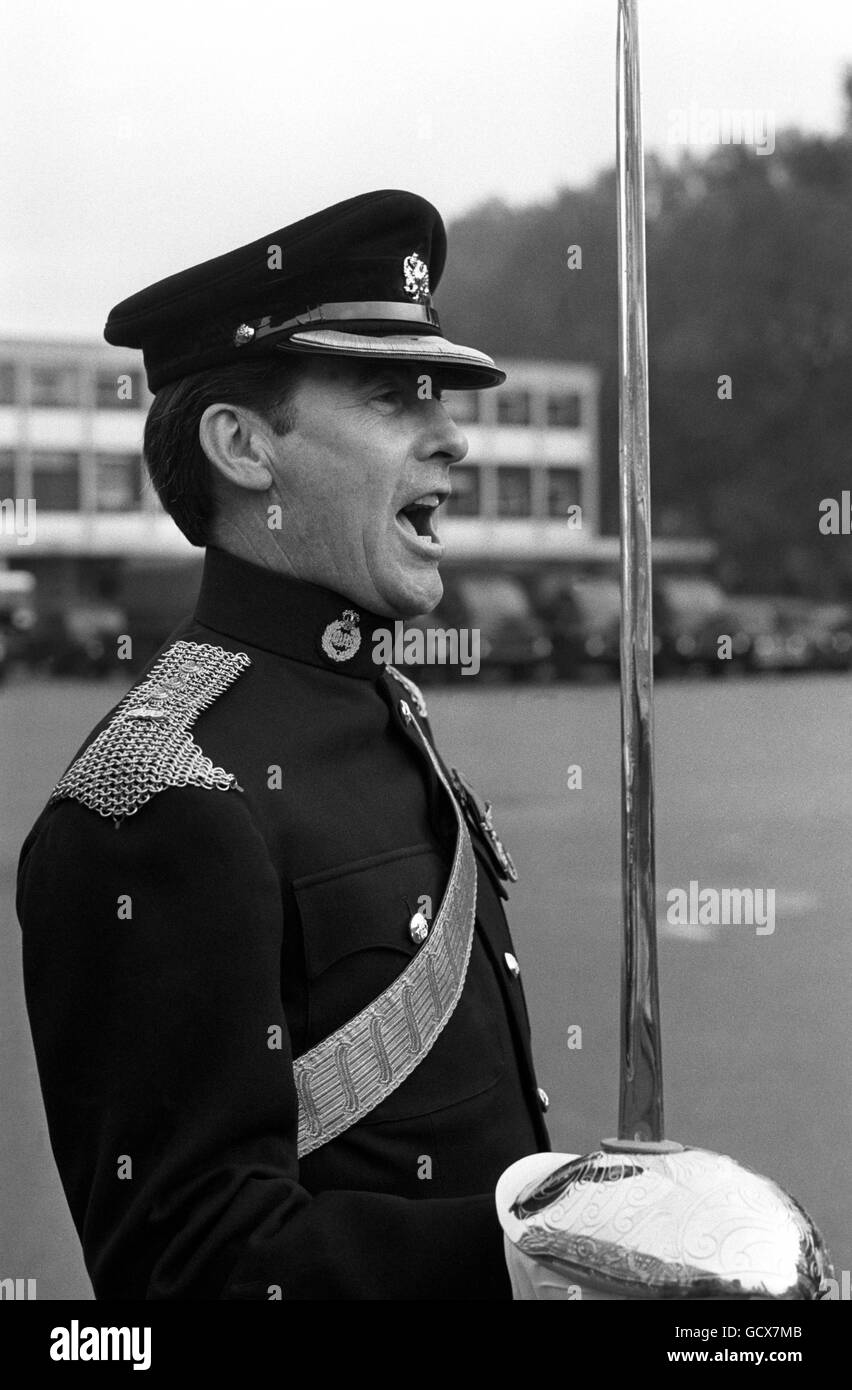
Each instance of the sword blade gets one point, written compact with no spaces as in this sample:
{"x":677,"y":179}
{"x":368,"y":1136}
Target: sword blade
{"x":641,"y":1083}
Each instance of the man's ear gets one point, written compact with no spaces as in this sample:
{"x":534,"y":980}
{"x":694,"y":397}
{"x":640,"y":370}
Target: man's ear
{"x":238,"y":444}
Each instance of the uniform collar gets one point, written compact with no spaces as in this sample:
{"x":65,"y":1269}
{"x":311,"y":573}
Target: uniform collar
{"x":288,"y":616}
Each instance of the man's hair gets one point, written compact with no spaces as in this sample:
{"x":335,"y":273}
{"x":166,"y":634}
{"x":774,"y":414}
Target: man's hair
{"x":177,"y":464}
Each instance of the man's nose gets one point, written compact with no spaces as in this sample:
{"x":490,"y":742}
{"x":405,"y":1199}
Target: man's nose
{"x":441,"y":434}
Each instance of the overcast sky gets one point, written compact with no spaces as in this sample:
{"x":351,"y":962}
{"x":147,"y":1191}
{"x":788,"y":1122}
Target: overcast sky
{"x":141,"y":138}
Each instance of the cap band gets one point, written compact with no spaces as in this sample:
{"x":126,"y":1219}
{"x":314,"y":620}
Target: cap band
{"x":395,"y":311}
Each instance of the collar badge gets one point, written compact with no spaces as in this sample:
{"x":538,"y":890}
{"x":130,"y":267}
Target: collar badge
{"x":416,"y":274}
{"x":342,"y":638}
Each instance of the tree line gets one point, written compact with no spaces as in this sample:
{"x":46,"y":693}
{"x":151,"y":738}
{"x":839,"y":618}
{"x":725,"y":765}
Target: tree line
{"x":749,"y":278}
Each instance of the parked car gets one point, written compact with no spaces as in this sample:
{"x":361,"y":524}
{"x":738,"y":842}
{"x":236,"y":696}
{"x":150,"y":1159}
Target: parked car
{"x":78,"y":639}
{"x":771,"y":633}
{"x":690,"y":614}
{"x":831,"y":636}
{"x":583,"y":621}
{"x":511,"y":638}
{"x":17,"y":615}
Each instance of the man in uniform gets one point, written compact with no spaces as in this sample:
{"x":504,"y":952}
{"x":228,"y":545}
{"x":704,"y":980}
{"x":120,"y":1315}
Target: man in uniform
{"x":279,"y":1024}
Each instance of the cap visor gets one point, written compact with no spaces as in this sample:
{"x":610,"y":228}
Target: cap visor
{"x":462,"y":368}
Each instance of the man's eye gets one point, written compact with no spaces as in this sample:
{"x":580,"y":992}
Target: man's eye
{"x":389,"y":393}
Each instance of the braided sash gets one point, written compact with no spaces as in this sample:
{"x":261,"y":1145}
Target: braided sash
{"x":353,"y":1070}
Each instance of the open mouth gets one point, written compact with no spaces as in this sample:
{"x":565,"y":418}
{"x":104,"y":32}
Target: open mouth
{"x":418,"y":518}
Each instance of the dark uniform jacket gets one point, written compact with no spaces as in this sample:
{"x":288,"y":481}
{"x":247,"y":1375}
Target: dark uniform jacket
{"x":176,"y":962}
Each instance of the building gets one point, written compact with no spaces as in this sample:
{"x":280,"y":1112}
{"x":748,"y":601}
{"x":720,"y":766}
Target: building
{"x":72,"y":417}
{"x":529,"y":487}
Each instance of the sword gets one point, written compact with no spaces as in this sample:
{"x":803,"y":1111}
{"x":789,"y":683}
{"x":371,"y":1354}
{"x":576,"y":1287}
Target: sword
{"x":645,"y":1217}
{"x":641,"y":1089}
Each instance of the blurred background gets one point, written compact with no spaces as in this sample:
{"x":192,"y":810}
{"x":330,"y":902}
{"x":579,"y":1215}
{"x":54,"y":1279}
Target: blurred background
{"x":139,"y":143}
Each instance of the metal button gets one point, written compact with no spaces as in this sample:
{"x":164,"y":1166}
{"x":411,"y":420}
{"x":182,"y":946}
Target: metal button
{"x":543,"y":1099}
{"x":405,"y":712}
{"x":418,"y":928}
{"x":511,"y":965}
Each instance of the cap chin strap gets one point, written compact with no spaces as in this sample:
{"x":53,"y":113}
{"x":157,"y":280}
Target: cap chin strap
{"x":372,"y":310}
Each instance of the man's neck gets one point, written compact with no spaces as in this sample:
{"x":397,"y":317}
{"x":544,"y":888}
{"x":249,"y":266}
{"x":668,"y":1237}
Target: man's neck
{"x":258,"y":547}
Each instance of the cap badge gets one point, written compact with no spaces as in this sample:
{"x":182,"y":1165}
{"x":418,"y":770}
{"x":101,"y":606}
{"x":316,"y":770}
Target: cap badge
{"x":243,"y":335}
{"x":416,"y":274}
{"x":342,"y":638}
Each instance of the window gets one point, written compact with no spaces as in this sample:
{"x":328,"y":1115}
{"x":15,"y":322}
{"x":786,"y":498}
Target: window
{"x":7,"y":383}
{"x":513,"y":407}
{"x":513,"y":492}
{"x":56,"y":386}
{"x":464,"y":501}
{"x":563,"y":410}
{"x":118,"y":390}
{"x":7,"y":473}
{"x":462,"y":406}
{"x":118,"y":482}
{"x":563,"y":490}
{"x":56,"y":481}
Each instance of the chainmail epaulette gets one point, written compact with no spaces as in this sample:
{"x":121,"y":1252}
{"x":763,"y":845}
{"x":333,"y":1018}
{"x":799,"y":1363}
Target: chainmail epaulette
{"x":146,"y":745}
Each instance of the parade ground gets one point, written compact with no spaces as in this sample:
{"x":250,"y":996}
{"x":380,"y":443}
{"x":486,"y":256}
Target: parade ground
{"x":754,"y":792}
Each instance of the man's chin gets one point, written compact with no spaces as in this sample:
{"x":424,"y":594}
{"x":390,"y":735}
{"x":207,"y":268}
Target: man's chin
{"x":410,"y":596}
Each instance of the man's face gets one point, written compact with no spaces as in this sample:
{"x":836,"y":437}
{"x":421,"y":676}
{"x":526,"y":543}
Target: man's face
{"x":368,"y":442}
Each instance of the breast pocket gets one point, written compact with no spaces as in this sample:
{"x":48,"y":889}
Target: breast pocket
{"x":357,"y":938}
